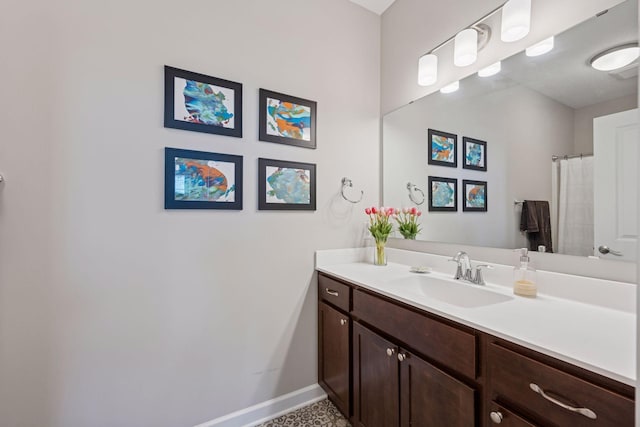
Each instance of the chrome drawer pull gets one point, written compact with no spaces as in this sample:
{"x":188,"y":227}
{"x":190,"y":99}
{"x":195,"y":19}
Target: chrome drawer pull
{"x":330,"y":292}
{"x":584,"y":411}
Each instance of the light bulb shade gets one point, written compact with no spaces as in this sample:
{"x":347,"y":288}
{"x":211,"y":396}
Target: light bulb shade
{"x":615,"y":58}
{"x":490,"y":70}
{"x":451,"y":87}
{"x":465,"y":48}
{"x":541,"y":48}
{"x":516,"y":20}
{"x":427,"y":70}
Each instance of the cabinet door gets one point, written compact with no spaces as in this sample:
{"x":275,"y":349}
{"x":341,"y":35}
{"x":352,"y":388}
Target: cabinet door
{"x":333,"y":357}
{"x":375,"y":380}
{"x":431,"y":398}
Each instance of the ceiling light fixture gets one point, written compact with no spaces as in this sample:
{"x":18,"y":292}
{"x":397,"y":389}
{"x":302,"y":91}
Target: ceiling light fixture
{"x":616,"y":57}
{"x":451,"y":87}
{"x":516,"y":20}
{"x":541,"y":48}
{"x":427,"y":70}
{"x":465,"y":48}
{"x":490,"y":70}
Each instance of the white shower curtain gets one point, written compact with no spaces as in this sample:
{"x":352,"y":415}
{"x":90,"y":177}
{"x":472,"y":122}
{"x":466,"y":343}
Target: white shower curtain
{"x":572,"y":206}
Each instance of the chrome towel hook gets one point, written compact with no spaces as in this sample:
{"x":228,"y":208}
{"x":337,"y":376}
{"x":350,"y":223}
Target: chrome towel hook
{"x":412,"y":190}
{"x":346,"y":182}
{"x":1,"y":178}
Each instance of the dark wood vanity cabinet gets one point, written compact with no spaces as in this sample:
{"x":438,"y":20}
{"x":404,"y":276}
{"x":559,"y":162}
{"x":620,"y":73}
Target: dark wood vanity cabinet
{"x":334,"y":362}
{"x":334,"y":343}
{"x":394,"y":387}
{"x":549,"y":392}
{"x":385,"y":364}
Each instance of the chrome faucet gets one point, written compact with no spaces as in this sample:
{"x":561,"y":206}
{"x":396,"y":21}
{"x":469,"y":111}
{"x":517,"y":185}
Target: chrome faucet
{"x":466,"y":272}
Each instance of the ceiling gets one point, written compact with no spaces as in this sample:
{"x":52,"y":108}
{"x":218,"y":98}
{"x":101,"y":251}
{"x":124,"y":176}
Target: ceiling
{"x":564,"y":74}
{"x":376,"y":6}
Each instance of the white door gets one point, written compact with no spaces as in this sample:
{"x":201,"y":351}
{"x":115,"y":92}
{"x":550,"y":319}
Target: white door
{"x":615,"y":177}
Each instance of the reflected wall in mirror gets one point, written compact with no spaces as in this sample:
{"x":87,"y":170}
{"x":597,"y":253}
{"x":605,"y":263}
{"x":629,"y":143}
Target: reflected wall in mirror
{"x":536,"y":108}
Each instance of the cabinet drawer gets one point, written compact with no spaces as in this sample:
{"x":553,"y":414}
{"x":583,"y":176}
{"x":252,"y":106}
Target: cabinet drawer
{"x":436,"y":340}
{"x":334,"y":292}
{"x":513,"y":377}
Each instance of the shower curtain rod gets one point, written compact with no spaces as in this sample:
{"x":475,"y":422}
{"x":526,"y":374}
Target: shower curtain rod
{"x":572,"y":156}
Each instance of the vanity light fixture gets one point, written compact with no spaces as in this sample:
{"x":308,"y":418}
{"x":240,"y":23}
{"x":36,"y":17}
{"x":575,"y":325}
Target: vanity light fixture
{"x":516,"y":20}
{"x":465,"y":47}
{"x":541,"y":48}
{"x":490,"y":70}
{"x":451,"y":87}
{"x":616,"y":57}
{"x":427,"y":69}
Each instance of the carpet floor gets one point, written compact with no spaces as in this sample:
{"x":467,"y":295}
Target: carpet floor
{"x":319,"y":414}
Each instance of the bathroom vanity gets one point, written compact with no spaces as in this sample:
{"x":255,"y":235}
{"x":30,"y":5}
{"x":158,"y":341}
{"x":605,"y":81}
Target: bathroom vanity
{"x":399,"y":348}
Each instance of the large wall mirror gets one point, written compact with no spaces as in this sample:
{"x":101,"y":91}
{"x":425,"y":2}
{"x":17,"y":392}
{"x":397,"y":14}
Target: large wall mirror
{"x":549,"y":128}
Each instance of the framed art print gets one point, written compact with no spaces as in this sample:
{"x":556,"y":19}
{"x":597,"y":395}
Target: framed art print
{"x":474,"y":154}
{"x":286,"y":185}
{"x":201,"y":180}
{"x":202,"y":103}
{"x":442,"y":148}
{"x":286,"y":119}
{"x":474,"y":196}
{"x":443,"y":194}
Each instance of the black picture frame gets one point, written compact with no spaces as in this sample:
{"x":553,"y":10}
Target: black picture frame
{"x":196,"y":122}
{"x":272,"y":132}
{"x":467,"y":145}
{"x":280,"y":198}
{"x":192,"y":168}
{"x":434,"y":151}
{"x":466,"y":205}
{"x":434,"y":205}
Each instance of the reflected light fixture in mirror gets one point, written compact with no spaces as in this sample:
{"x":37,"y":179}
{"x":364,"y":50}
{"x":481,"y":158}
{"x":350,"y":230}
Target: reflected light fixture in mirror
{"x":616,"y":57}
{"x":516,"y":20}
{"x":451,"y":87}
{"x":465,"y":48}
{"x":491,"y":70}
{"x":541,"y":48}
{"x":427,"y":70}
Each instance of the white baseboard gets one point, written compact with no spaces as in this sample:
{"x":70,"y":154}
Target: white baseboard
{"x":265,"y":411}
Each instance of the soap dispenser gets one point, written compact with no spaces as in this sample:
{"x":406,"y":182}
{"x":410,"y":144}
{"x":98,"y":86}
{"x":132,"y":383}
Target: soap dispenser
{"x":524,"y":276}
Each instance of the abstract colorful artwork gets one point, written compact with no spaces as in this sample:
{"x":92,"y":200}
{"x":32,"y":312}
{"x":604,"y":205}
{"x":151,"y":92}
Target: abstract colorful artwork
{"x":202,"y":103}
{"x":475,"y":196}
{"x":286,"y":185}
{"x":201,"y":180}
{"x":443,"y":194}
{"x":442,"y":148}
{"x":287,"y":119}
{"x":475,"y":154}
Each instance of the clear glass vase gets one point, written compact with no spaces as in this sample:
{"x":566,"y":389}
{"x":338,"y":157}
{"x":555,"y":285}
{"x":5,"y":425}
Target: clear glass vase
{"x":380,"y":256}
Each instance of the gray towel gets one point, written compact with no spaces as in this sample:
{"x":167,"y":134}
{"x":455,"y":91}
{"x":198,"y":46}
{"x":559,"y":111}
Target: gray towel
{"x":536,"y":221}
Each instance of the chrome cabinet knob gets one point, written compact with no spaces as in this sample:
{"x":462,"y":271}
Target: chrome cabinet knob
{"x":402,"y":356}
{"x":390,"y":352}
{"x":343,"y":322}
{"x":496,"y":417}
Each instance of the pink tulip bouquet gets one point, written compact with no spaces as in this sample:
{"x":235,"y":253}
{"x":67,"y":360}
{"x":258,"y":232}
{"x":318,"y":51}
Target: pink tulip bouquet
{"x":380,"y":227}
{"x":407,"y":220}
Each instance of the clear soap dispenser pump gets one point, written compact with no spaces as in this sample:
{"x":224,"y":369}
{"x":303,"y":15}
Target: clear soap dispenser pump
{"x":524,"y":276}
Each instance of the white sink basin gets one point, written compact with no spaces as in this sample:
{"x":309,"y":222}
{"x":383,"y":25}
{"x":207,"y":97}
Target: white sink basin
{"x":450,"y":291}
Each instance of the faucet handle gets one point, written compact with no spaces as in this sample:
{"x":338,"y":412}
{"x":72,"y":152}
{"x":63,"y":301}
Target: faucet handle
{"x":479,"y":279}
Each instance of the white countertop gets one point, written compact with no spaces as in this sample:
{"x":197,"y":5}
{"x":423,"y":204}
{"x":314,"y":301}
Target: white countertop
{"x":595,"y":337}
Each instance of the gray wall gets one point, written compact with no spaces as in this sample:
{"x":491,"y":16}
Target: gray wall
{"x":583,"y":120}
{"x":410,"y":28}
{"x":113,"y":311}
